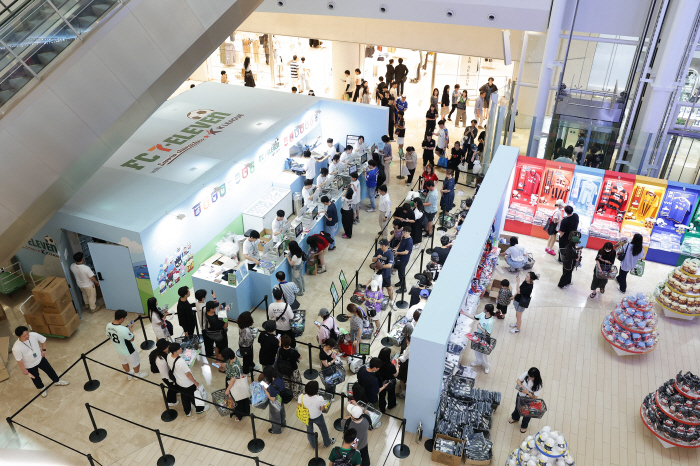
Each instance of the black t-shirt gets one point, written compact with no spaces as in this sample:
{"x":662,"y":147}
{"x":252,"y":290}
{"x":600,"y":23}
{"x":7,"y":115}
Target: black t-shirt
{"x":442,"y":254}
{"x":428,"y":148}
{"x":214,"y":322}
{"x":525,"y":289}
{"x":268,"y":348}
{"x":386,"y":372}
{"x":185,"y":315}
{"x":401,"y":132}
{"x":385,"y":102}
{"x":430,"y":114}
{"x":291,"y":355}
{"x":325,"y":357}
{"x":407,"y":214}
{"x":415,"y":296}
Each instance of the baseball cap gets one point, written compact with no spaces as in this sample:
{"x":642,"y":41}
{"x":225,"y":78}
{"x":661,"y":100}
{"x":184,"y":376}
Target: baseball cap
{"x":575,"y":240}
{"x":424,"y":293}
{"x":383,"y":242}
{"x":355,"y":411}
{"x":323,"y":312}
{"x":270,"y":326}
{"x":559,"y":202}
{"x":435,"y":256}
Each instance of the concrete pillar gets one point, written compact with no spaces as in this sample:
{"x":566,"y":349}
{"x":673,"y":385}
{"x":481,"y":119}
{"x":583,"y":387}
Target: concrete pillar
{"x":345,"y":56}
{"x":551,"y":48}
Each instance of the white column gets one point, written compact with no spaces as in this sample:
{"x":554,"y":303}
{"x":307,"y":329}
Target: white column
{"x":551,"y":48}
{"x":346,"y":56}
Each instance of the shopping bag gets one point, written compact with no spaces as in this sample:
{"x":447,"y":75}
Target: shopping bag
{"x":477,"y":167}
{"x":442,"y":162}
{"x":303,"y":412}
{"x":200,"y":395}
{"x":463,"y":167}
{"x":404,"y":171}
{"x":638,"y":269}
{"x":241,"y":389}
{"x":258,"y":397}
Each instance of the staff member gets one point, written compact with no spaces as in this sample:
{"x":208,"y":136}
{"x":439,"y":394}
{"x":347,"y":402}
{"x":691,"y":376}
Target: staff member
{"x":250,"y":250}
{"x":277,"y":225}
{"x":30,"y":358}
{"x":85,"y":280}
{"x":331,"y":217}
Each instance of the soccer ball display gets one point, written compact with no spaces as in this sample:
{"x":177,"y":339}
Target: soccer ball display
{"x":49,"y":240}
{"x":197,"y":114}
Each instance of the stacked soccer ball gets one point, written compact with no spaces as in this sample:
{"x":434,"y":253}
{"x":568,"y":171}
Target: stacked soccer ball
{"x":631,"y":327}
{"x":547,"y":447}
{"x":680,"y":293}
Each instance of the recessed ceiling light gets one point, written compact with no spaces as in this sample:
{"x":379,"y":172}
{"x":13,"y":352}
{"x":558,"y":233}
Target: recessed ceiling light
{"x":331,"y":5}
{"x":383,"y":8}
{"x":491,"y":17}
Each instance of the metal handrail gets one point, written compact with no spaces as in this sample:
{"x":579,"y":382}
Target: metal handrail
{"x":7,"y":9}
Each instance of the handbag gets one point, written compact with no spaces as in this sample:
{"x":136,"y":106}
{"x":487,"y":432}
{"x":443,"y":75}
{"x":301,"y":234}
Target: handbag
{"x":477,"y":167}
{"x":622,"y":253}
{"x":524,"y":301}
{"x":200,"y":396}
{"x":241,"y":389}
{"x":442,"y":162}
{"x":638,"y":269}
{"x":405,"y":171}
{"x":303,"y":412}
{"x":463,"y":167}
{"x":213,"y":335}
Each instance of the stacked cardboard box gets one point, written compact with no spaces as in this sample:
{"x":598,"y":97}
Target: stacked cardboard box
{"x":52,"y":311}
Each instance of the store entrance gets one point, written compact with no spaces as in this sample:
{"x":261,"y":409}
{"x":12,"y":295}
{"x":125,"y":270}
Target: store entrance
{"x":586,"y":142}
{"x":114,"y":271}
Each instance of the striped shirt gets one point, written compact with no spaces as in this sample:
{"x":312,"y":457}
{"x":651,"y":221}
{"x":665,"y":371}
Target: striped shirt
{"x":294,"y":69}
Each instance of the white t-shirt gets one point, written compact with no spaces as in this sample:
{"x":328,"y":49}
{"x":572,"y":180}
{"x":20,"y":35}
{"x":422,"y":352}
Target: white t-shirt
{"x":82,"y":274}
{"x":329,"y":150}
{"x":294,"y":260}
{"x":356,"y":193}
{"x":251,"y":249}
{"x":311,"y":168}
{"x":321,"y":179}
{"x":277,"y":226}
{"x":384,"y":204}
{"x":528,"y":384}
{"x":350,"y":81}
{"x":29,"y":352}
{"x":307,"y":194}
{"x":163,"y":369}
{"x":360,"y":147}
{"x":344,"y":156}
{"x":276,"y":310}
{"x":180,"y":372}
{"x":313,"y":403}
{"x":335,"y":167}
{"x":121,"y":338}
{"x":414,"y":308}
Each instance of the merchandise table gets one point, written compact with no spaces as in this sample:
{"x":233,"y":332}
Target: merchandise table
{"x":238,"y":296}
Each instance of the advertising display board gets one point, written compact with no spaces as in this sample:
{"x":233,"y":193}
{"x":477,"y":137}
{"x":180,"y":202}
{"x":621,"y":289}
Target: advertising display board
{"x":527,"y":181}
{"x":644,"y":206}
{"x":583,"y":197}
{"x":556,"y":184}
{"x":613,"y":201}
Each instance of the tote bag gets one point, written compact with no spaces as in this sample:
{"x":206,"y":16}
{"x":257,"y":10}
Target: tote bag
{"x":477,"y":167}
{"x":303,"y":412}
{"x":241,"y":389}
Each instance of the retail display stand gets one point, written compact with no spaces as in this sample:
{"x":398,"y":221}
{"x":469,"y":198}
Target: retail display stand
{"x":672,"y":413}
{"x":529,"y":173}
{"x":546,"y":447}
{"x":679,"y":295}
{"x":613,"y":202}
{"x":555,"y":185}
{"x":631,"y":327}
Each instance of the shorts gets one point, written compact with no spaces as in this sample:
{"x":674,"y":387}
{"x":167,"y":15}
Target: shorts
{"x":430,"y":216}
{"x":399,"y":141}
{"x":386,"y":282}
{"x":132,"y":360}
{"x":518,"y":307}
{"x":502,"y":307}
{"x":377,"y":317}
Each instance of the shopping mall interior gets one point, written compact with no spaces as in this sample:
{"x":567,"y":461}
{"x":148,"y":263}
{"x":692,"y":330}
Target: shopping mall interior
{"x":543,"y":238}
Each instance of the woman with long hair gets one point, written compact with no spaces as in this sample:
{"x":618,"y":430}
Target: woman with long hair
{"x":235,"y":375}
{"x":430,"y":117}
{"x":387,"y":373}
{"x":357,"y":323}
{"x":435,"y":97}
{"x":245,"y":340}
{"x":158,"y":358}
{"x":603,"y":262}
{"x":248,"y":73}
{"x":296,"y":262}
{"x":521,"y":301}
{"x":365,"y":93}
{"x":632,"y":253}
{"x":528,"y":385}
{"x":161,"y":327}
{"x":445,"y":102}
{"x":429,"y":173}
{"x":346,"y":213}
{"x":421,"y":221}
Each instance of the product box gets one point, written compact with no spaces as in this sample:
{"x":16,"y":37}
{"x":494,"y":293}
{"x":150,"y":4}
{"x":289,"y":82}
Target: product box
{"x":265,"y":237}
{"x":495,"y":287}
{"x":50,"y":290}
{"x":63,"y":317}
{"x":4,"y":354}
{"x":43,"y":329}
{"x":477,"y":463}
{"x":446,"y":458}
{"x":57,"y":306}
{"x":503,"y":246}
{"x":34,"y":315}
{"x":66,"y":330}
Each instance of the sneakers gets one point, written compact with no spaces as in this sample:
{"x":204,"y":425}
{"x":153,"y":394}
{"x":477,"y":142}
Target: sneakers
{"x":393,"y":306}
{"x":416,"y":246}
{"x":141,"y":375}
{"x":189,"y":414}
{"x":130,"y":375}
{"x":332,"y":442}
{"x":170,"y":405}
{"x":401,"y":395}
{"x":475,"y":364}
{"x":486,"y":370}
{"x":206,"y":408}
{"x":44,"y":393}
{"x":376,"y":333}
{"x":62,"y":383}
{"x":514,"y":330}
{"x":369,"y":210}
{"x":323,"y":269}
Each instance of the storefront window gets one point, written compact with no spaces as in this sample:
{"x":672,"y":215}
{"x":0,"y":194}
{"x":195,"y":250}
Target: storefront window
{"x":688,"y":118}
{"x":690,"y":92}
{"x":682,"y":160}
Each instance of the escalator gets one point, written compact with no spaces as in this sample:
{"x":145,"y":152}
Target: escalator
{"x":77,"y":78}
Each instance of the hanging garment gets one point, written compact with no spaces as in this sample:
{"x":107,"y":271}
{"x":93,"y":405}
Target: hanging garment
{"x":648,"y":206}
{"x":230,"y":54}
{"x":617,"y":199}
{"x":605,"y":197}
{"x":532,"y":182}
{"x":679,"y":209}
{"x":587,"y":192}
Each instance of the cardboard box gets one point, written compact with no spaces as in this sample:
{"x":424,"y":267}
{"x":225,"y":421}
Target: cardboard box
{"x":62,"y":318}
{"x":505,"y":246}
{"x":43,"y":329}
{"x":4,"y":354}
{"x":265,"y":237}
{"x":34,"y":315}
{"x":445,"y":458}
{"x":66,"y":330}
{"x":50,"y":289}
{"x":57,"y":306}
{"x":494,"y":288}
{"x":477,"y":463}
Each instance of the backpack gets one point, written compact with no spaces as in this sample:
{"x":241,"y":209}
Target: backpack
{"x":283,"y":366}
{"x":328,"y":237}
{"x":341,"y":460}
{"x":331,"y":332}
{"x":286,"y":394}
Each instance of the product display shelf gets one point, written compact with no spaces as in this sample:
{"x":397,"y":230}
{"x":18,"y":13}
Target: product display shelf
{"x":672,"y":412}
{"x":631,"y":328}
{"x":679,"y":295}
{"x":547,"y":447}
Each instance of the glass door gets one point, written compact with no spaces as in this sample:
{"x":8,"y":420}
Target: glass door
{"x":683,"y":160}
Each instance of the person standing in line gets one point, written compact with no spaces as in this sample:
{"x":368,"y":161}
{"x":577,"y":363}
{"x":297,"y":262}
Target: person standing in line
{"x":461,"y":109}
{"x":245,"y":341}
{"x":400,"y":131}
{"x":234,"y":375}
{"x":443,"y":140}
{"x":331,"y":219}
{"x":445,"y":102}
{"x":281,"y":312}
{"x":349,"y":85}
{"x":522,"y":299}
{"x":328,"y":358}
{"x":360,"y":423}
{"x":296,"y":263}
{"x":185,"y":315}
{"x":401,"y":104}
{"x":553,"y":226}
{"x":213,"y":323}
{"x":250,"y":250}
{"x":569,"y":256}
{"x":269,"y":344}
{"x":304,"y":76}
{"x":390,"y":72}
{"x":224,"y":77}
{"x":430,"y":204}
{"x":86,"y":281}
{"x":448,"y":191}
{"x":429,"y":174}
{"x":384,"y":206}
{"x":479,"y":110}
{"x":158,"y":358}
{"x":603,"y":263}
{"x":347,"y":215}
{"x":428,"y":149}
{"x":485,"y":325}
{"x":529,"y":384}
{"x":567,"y":225}
{"x":356,"y":326}
{"x":289,"y":289}
{"x":379,"y":91}
{"x":346,"y":455}
{"x":392,"y":117}
{"x":184,"y":380}
{"x":248,"y":79}
{"x":387,"y":374}
{"x":358,"y":84}
{"x":400,"y":75}
{"x":161,"y":327}
{"x":294,"y":71}
{"x":287,"y":364}
{"x":393,"y":91}
{"x":122,"y":338}
{"x":356,"y":196}
{"x":633,"y":252}
{"x":367,"y":377}
{"x":455,"y":98}
{"x":371,"y":182}
{"x":456,"y":158}
{"x":200,"y":305}
{"x":382,"y":263}
{"x":315,"y":403}
{"x":411,"y":160}
{"x":402,"y":252}
{"x":30,"y":353}
{"x":430,"y":119}
{"x":402,"y":376}
{"x":435,"y":98}
{"x":327,"y":328}
{"x":387,"y":158}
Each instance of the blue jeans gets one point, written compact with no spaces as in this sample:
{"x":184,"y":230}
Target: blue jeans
{"x":321,"y":423}
{"x":370,"y":193}
{"x":516,"y":264}
{"x":332,"y":230}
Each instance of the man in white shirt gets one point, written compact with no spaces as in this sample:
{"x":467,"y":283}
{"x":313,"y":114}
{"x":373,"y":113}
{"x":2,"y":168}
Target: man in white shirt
{"x":122,"y":338}
{"x":384,"y":207}
{"x":307,"y":192}
{"x":277,"y":225}
{"x":281,"y":312}
{"x":360,"y":147}
{"x":335,"y":166}
{"x":184,"y":380}
{"x":345,"y":154}
{"x":30,"y":352}
{"x":85,"y":280}
{"x":443,"y":140}
{"x":323,"y":178}
{"x":250,"y":250}
{"x":349,"y":85}
{"x":329,"y":151}
{"x":310,"y":166}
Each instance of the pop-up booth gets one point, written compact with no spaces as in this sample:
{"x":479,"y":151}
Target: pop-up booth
{"x":213,"y":162}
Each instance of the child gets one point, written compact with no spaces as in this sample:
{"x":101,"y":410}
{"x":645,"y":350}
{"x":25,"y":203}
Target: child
{"x":505,"y":296}
{"x":433,"y":268}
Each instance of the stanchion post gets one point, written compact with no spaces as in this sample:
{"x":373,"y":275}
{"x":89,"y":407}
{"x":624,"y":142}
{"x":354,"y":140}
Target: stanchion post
{"x":257,"y":461}
{"x":310,"y":373}
{"x":89,"y":457}
{"x":91,"y":385}
{"x":169,"y":414}
{"x":357,"y":277}
{"x":12,"y":426}
{"x":165,"y":460}
{"x":420,"y":268}
{"x":266,"y":304}
{"x":316,"y":461}
{"x":432,"y":239}
{"x":257,"y":444}
{"x":386,"y":341}
{"x":338,"y":423}
{"x":402,"y":303}
{"x":401,"y":450}
{"x":146,"y":344}
{"x":400,"y":177}
{"x":97,"y":435}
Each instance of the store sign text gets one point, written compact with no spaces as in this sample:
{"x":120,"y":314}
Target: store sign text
{"x":299,"y":130}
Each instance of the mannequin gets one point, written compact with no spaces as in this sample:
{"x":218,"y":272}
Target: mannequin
{"x":373,"y":299}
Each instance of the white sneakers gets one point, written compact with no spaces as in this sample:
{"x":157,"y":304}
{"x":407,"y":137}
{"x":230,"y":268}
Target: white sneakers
{"x":130,"y":375}
{"x":170,"y":405}
{"x":206,"y":408}
{"x":486,"y":370}
{"x":44,"y":393}
{"x":475,"y":364}
{"x":141,"y":375}
{"x":62,"y":383}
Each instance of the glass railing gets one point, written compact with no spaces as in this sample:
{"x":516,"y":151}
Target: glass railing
{"x":36,"y":34}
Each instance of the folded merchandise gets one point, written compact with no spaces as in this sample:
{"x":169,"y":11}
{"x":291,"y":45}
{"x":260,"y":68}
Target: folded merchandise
{"x":691,"y":246}
{"x":448,"y":446}
{"x":257,"y":394}
{"x":466,"y":371}
{"x":396,"y":334}
{"x":460,"y":388}
{"x":299,"y":323}
{"x":477,"y":447}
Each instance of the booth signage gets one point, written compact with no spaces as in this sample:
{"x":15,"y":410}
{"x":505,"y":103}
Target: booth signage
{"x":47,"y":246}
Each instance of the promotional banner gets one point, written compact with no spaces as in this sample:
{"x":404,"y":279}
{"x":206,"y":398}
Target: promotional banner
{"x":644,"y":206}
{"x":529,"y":173}
{"x":583,"y":197}
{"x":556,"y":184}
{"x":672,"y":222}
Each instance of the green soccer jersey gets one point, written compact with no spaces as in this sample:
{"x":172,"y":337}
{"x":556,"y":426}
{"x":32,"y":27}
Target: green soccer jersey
{"x":121,"y":338}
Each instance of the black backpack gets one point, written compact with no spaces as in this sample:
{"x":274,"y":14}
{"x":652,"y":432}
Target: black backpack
{"x":286,"y":394}
{"x":284,"y":366}
{"x":341,"y":460}
{"x":331,"y":332}
{"x":328,"y":237}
